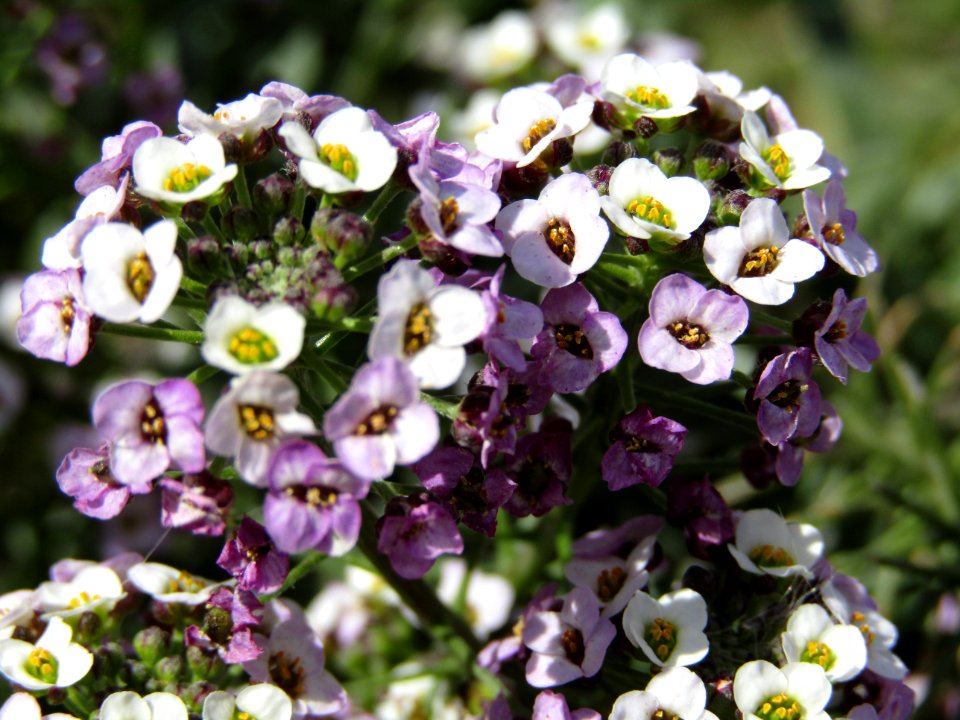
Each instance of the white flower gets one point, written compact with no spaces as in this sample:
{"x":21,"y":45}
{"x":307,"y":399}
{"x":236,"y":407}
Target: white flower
{"x":668,"y":630}
{"x":499,"y":48}
{"x":170,"y":171}
{"x":528,"y":121}
{"x":22,"y":706}
{"x":131,"y":275}
{"x":645,"y":203}
{"x":241,"y":337}
{"x":169,"y":585}
{"x":252,"y":419}
{"x":54,"y":661}
{"x":242,"y":118}
{"x":344,"y":154}
{"x":553,"y":239}
{"x":726,"y":100}
{"x":758,"y":259}
{"x":677,"y":691}
{"x":262,"y":701}
{"x":612,"y":579}
{"x":811,"y":636}
{"x":488,"y":598}
{"x":127,"y":705}
{"x":62,"y":251}
{"x":788,"y":160}
{"x":802,"y":690}
{"x":92,"y":588}
{"x":425,"y":325}
{"x":15,"y":606}
{"x":586,"y":41}
{"x":637,"y":88}
{"x":767,"y":544}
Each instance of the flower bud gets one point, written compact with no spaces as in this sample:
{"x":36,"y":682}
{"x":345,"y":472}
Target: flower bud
{"x":232,"y":147}
{"x":151,"y":644}
{"x":88,"y":627}
{"x":732,"y":207}
{"x":636,"y":246}
{"x":258,"y":148}
{"x":333,"y":303}
{"x":169,"y":670}
{"x":288,"y":256}
{"x":261,"y":249}
{"x":604,"y":115}
{"x":345,"y":234}
{"x":203,"y":664}
{"x":599,"y":177}
{"x":711,"y":161}
{"x":240,"y":223}
{"x":204,"y":257}
{"x":617,"y":152}
{"x":194,"y":211}
{"x":272,"y":195}
{"x":288,"y":231}
{"x":669,"y":160}
{"x":446,"y":257}
{"x":645,"y":127}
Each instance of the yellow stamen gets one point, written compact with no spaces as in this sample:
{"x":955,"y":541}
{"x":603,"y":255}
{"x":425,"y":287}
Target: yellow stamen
{"x":257,"y":421}
{"x":339,"y":158}
{"x":770,"y":556}
{"x":651,"y":210}
{"x":140,"y":276}
{"x":759,"y":262}
{"x":419,"y":329}
{"x":251,"y":346}
{"x":186,"y":177}
{"x":778,"y":161}
{"x":833,"y":234}
{"x":648,"y":96}
{"x":538,"y":132}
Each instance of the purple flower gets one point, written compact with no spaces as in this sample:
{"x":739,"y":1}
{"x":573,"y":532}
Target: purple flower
{"x":569,"y":644}
{"x":227,"y":626}
{"x":414,"y":531}
{"x":619,"y":540}
{"x":196,"y":502}
{"x":379,"y":422}
{"x":473,"y":495}
{"x":612,"y":579}
{"x":578,"y":342}
{"x":690,"y":329}
{"x":834,"y":332}
{"x":553,"y":706}
{"x":706,"y":519}
{"x":252,"y":559}
{"x":297,"y":105}
{"x":834,"y":229}
{"x":116,"y":156}
{"x":789,"y":399}
{"x":54,"y":323}
{"x":541,"y":468}
{"x":483,"y":421}
{"x":643,"y":451}
{"x":149,"y":427}
{"x":312,"y":503}
{"x":85,"y":476}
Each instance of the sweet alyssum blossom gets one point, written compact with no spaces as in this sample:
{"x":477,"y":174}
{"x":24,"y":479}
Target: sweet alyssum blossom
{"x":499,"y":48}
{"x":766,"y":544}
{"x":834,"y":229}
{"x":344,"y":153}
{"x":612,"y":579}
{"x":787,"y":160}
{"x":240,"y":337}
{"x":116,"y":156}
{"x":414,"y":531}
{"x":22,"y":706}
{"x":53,"y":661}
{"x":488,"y":598}
{"x":690,"y":329}
{"x":262,"y":701}
{"x":758,"y":259}
{"x":243,"y":119}
{"x":62,"y":251}
{"x":668,"y":629}
{"x":789,"y":400}
{"x":813,"y":637}
{"x":131,"y":275}
{"x":170,"y":585}
{"x":675,"y":692}
{"x":128,"y":705}
{"x":93,"y":589}
{"x":172,"y":172}
{"x":643,"y":450}
{"x":637,"y":88}
{"x":54,"y":323}
{"x":797,"y":691}
{"x":586,"y":40}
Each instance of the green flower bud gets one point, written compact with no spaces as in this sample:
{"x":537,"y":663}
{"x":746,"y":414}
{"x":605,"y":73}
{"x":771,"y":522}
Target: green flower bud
{"x":151,"y":644}
{"x":711,"y":161}
{"x":272,"y":195}
{"x":732,"y":207}
{"x":240,"y":223}
{"x":169,"y":670}
{"x":669,"y":160}
{"x":288,"y":231}
{"x":345,"y":234}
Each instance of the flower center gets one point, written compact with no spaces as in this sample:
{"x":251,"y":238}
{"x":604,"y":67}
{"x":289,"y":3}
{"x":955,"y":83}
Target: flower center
{"x":759,"y":262}
{"x":689,"y":335}
{"x":770,"y":556}
{"x":833,"y":234}
{"x":778,"y":161}
{"x":185,"y":582}
{"x":662,"y":714}
{"x":779,"y":707}
{"x":288,"y":675}
{"x":641,"y":445}
{"x":538,"y":132}
{"x":860,"y":620}
{"x":243,"y":716}
{"x":140,"y":276}
{"x":186,"y":177}
{"x":648,"y":96}
{"x":573,"y":646}
{"x":449,"y":211}
{"x":313,"y":495}
{"x":250,"y":346}
{"x":419,"y":329}
{"x":67,"y":314}
{"x":651,"y":210}
{"x":339,"y":159}
{"x":561,"y":240}
{"x":377,"y":422}
{"x":152,"y":427}
{"x":661,"y":635}
{"x":819,"y":653}
{"x":609,"y":583}
{"x":787,"y":395}
{"x":84,"y":598}
{"x":42,"y":665}
{"x":257,"y":421}
{"x":837,"y":331}
{"x":572,"y":339}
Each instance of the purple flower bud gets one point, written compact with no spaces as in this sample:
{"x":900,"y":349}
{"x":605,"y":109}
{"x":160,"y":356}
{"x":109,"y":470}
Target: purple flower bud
{"x":252,"y":559}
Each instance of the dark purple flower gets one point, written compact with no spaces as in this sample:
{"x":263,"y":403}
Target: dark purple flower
{"x":414,"y":531}
{"x":483,"y":421}
{"x":149,"y":427}
{"x":116,"y":156}
{"x":312,"y":503}
{"x":228,"y":626}
{"x":789,"y":399}
{"x":85,"y":476}
{"x":568,"y":644}
{"x":833,"y":330}
{"x":379,"y":422}
{"x":252,"y":559}
{"x":541,"y":468}
{"x":54,"y":322}
{"x":196,"y":502}
{"x":643,"y":451}
{"x":72,"y":57}
{"x":578,"y":342}
{"x":474,"y":496}
{"x":553,"y":706}
{"x":619,"y":540}
{"x":701,"y":511}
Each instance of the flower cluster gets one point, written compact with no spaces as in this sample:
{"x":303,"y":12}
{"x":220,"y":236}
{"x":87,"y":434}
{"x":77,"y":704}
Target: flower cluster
{"x":544,"y":315}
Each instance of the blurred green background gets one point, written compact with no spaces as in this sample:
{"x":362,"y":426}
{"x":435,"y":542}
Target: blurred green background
{"x":877,"y":79}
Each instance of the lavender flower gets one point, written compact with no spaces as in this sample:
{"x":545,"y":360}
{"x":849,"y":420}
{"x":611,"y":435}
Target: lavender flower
{"x":834,"y":332}
{"x":834,"y":229}
{"x":414,"y":531}
{"x":196,"y":502}
{"x":700,"y":509}
{"x":483,"y":421}
{"x":85,"y":476}
{"x":149,"y":427}
{"x":380,"y":422}
{"x":228,"y":626}
{"x":252,"y":559}
{"x":510,"y":320}
{"x":55,"y":322}
{"x":643,"y":450}
{"x":789,"y":399}
{"x":541,"y":468}
{"x":553,"y":706}
{"x":690,"y":329}
{"x":116,"y":156}
{"x":578,"y":342}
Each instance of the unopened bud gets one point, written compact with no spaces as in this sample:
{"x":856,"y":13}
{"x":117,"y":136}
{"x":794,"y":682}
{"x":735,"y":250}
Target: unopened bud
{"x":88,"y":627}
{"x":617,"y":152}
{"x":345,"y":234}
{"x":414,"y":217}
{"x":272,"y":195}
{"x":169,"y":669}
{"x":333,"y":303}
{"x":261,"y":249}
{"x":194,"y":211}
{"x":240,"y":223}
{"x":203,"y":256}
{"x":732,"y":207}
{"x":288,"y":231}
{"x":645,"y":127}
{"x":669,"y":160}
{"x":202,"y":663}
{"x":604,"y":115}
{"x":232,"y":147}
{"x":151,"y":644}
{"x":711,"y":161}
{"x":599,"y":177}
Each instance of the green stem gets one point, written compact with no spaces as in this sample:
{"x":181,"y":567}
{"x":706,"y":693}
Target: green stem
{"x":380,"y":259}
{"x":243,"y":190}
{"x":299,"y":201}
{"x":624,"y":273}
{"x":202,"y":374}
{"x":380,"y":203}
{"x":348,"y":324}
{"x":751,"y":339}
{"x":191,"y":337}
{"x":673,"y":399}
{"x":211,"y":227}
{"x":193,"y":286}
{"x":183,"y":229}
{"x":445,"y":408}
{"x":417,"y":595}
{"x":765,"y":318}
{"x":189,"y":302}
